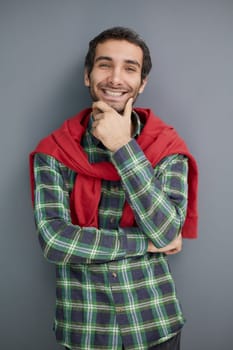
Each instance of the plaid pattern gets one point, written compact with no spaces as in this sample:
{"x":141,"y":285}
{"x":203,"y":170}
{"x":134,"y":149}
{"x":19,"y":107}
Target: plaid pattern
{"x":109,"y":290}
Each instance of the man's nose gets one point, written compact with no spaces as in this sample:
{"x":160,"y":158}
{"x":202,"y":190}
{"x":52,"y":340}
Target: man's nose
{"x":116,"y":76}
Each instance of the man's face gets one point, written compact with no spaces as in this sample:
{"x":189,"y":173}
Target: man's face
{"x":116,"y":73}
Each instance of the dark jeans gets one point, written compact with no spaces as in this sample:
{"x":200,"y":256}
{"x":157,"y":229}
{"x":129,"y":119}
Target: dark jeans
{"x":171,"y":344}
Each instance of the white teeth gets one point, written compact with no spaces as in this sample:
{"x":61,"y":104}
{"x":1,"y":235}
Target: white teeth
{"x":113,"y":93}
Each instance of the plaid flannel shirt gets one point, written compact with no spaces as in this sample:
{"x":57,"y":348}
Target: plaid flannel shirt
{"x":109,"y":290}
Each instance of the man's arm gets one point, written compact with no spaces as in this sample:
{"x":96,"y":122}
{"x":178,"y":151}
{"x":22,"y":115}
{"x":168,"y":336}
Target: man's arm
{"x":157,"y":196}
{"x":61,"y":241}
{"x":172,"y":248}
{"x":159,"y":202}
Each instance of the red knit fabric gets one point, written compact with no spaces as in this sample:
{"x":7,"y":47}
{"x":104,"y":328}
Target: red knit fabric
{"x":157,"y":140}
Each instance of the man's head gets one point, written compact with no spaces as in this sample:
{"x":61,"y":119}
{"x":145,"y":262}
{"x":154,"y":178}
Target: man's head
{"x":116,"y":66}
{"x":119,"y":33}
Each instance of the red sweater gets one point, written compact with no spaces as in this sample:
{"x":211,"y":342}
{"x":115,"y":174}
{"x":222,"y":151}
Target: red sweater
{"x":157,"y":140}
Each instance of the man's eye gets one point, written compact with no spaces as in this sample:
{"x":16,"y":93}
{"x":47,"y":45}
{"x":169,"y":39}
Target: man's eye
{"x":104,"y":65}
{"x":131,"y":69}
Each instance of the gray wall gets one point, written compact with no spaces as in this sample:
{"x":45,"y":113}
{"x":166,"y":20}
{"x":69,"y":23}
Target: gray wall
{"x":42,"y":46}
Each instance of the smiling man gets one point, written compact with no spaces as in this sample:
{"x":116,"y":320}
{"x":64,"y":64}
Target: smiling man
{"x":114,"y":191}
{"x":116,"y":73}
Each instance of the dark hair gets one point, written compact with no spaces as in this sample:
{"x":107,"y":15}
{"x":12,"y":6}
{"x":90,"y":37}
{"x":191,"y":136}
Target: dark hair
{"x":119,"y":33}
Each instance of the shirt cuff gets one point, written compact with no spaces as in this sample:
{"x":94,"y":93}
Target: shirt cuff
{"x":127,"y":156}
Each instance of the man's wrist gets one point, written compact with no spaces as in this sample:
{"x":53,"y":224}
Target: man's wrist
{"x":120,"y":144}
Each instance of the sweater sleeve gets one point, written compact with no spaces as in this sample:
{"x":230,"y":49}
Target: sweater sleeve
{"x":61,"y":241}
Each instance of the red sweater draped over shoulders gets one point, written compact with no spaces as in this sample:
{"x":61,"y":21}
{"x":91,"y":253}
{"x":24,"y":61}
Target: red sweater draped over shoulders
{"x":157,"y":140}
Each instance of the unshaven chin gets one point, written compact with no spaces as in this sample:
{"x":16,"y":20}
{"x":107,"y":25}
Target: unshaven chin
{"x":118,"y":108}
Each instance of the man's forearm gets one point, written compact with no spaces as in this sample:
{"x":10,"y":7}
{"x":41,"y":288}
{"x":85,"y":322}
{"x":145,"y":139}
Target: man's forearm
{"x":158,"y":201}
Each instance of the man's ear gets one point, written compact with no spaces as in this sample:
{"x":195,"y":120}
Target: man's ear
{"x":86,"y":78}
{"x":142,"y":87}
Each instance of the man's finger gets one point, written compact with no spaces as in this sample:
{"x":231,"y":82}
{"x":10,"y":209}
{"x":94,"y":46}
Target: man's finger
{"x":100,"y":107}
{"x":128,"y":108}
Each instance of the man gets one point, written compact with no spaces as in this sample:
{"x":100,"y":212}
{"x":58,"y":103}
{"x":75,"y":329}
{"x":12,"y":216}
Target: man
{"x":110,"y":190}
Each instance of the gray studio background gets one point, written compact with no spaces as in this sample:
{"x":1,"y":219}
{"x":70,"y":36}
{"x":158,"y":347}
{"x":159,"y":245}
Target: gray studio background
{"x":42,"y":47}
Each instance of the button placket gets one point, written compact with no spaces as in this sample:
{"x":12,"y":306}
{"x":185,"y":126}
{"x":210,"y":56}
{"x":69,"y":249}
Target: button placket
{"x":112,"y":220}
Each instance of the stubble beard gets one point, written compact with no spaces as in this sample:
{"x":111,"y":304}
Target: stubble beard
{"x":119,"y":110}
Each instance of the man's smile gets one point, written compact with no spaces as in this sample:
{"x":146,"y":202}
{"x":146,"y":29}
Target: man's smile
{"x":113,"y":93}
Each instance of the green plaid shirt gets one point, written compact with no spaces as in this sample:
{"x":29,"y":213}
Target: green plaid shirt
{"x":109,"y":291}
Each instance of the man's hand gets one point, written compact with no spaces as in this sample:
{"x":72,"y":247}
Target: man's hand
{"x":172,"y":248}
{"x":110,"y":127}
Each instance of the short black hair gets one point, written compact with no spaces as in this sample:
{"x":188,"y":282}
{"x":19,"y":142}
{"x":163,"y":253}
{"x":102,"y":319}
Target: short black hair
{"x":119,"y":33}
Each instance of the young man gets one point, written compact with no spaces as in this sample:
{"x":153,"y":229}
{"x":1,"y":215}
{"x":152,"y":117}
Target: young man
{"x":110,"y":190}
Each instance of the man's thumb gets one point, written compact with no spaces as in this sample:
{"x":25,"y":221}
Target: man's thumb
{"x":128,"y":108}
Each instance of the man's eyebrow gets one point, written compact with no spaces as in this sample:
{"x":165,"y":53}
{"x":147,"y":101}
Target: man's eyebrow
{"x":133,"y":62}
{"x":100,"y":58}
{"x":107,"y":58}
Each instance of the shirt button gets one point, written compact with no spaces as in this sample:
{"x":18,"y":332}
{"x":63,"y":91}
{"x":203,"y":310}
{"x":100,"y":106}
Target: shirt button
{"x":112,"y":220}
{"x":114,"y":275}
